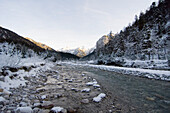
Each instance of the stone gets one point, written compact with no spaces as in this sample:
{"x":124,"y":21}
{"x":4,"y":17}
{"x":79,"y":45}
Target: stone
{"x":96,"y":86}
{"x":40,"y":90}
{"x":36,"y":110}
{"x":37,"y":105}
{"x":100,"y":111}
{"x":85,"y":101}
{"x":86,"y":90}
{"x":71,"y":110}
{"x":58,"y":110}
{"x":24,"y":110}
{"x":150,"y":98}
{"x":74,"y":89}
{"x":43,"y":97}
{"x":2,"y":101}
{"x":47,"y":105}
{"x":1,"y":90}
{"x":44,"y":111}
{"x":23,"y":104}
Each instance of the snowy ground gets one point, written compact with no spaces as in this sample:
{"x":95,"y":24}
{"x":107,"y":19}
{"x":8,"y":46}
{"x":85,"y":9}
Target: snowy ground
{"x":149,"y":73}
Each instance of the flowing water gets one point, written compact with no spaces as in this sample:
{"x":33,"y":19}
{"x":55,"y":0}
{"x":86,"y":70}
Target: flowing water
{"x":141,"y":95}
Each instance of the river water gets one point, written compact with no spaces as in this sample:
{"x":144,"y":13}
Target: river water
{"x":135,"y":94}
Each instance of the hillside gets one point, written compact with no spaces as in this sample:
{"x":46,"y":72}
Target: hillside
{"x":145,"y":43}
{"x":12,"y":44}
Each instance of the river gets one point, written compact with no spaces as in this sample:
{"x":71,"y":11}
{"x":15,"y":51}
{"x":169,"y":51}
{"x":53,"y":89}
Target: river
{"x":134,"y":94}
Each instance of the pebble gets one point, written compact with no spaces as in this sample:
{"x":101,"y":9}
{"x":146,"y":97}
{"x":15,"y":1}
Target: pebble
{"x":150,"y":98}
{"x":85,"y":101}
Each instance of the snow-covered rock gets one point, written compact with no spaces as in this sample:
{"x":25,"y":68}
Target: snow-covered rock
{"x":99,"y":97}
{"x":24,"y":110}
{"x":85,"y":90}
{"x":57,"y":109}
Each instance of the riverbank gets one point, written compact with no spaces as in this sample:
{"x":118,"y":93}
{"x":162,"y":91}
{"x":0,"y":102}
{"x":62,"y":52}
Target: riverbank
{"x":147,"y":73}
{"x":54,"y":88}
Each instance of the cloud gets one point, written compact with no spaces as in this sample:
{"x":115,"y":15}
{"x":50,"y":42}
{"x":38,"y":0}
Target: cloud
{"x":88,"y":9}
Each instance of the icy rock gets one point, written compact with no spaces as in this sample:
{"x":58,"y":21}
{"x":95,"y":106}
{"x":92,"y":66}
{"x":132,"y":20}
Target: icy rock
{"x":99,"y":97}
{"x":85,"y":90}
{"x":85,"y":101}
{"x":24,"y":110}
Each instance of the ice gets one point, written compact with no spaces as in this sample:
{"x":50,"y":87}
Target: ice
{"x":99,"y":97}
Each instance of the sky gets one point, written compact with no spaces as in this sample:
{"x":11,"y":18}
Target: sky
{"x":69,"y":23}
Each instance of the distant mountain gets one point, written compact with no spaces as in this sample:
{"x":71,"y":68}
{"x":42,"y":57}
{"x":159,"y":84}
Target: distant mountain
{"x":28,"y":47}
{"x":145,"y":43}
{"x":80,"y":52}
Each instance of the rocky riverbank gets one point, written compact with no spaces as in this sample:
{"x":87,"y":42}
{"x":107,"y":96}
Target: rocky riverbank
{"x":58,"y":89}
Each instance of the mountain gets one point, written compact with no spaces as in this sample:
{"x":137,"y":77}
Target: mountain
{"x":39,"y":44}
{"x":80,"y":51}
{"x":14,"y":44}
{"x":145,"y":43}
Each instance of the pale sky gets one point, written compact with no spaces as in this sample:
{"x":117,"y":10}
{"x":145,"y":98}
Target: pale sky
{"x":69,"y":23}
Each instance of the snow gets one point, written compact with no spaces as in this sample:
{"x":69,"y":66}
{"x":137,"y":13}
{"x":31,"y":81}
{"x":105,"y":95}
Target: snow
{"x":149,"y":73}
{"x":24,"y":110}
{"x":43,"y":97}
{"x":19,"y":79}
{"x":57,"y":109}
{"x":99,"y":97}
{"x":8,"y":83}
